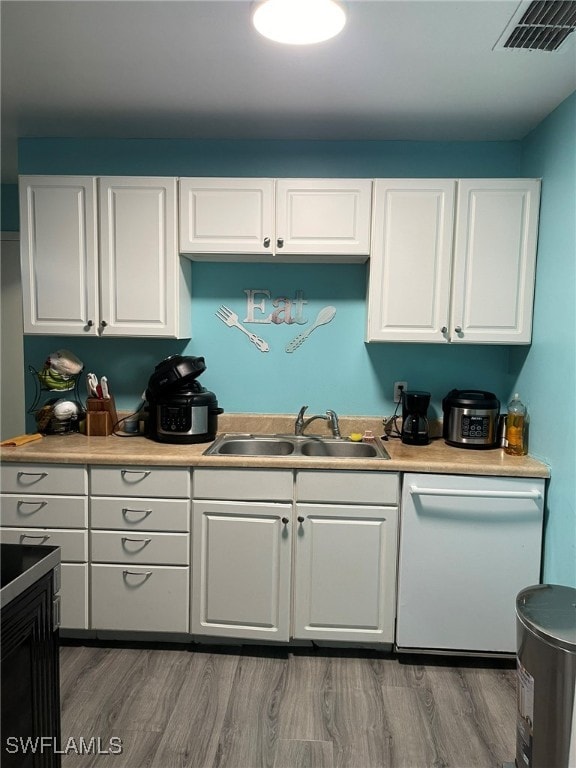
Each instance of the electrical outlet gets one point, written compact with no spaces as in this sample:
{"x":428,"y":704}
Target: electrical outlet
{"x":399,"y":387}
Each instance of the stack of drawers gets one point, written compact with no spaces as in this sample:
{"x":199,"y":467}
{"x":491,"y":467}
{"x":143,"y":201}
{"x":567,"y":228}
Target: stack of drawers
{"x":48,"y":504}
{"x":140,"y":557}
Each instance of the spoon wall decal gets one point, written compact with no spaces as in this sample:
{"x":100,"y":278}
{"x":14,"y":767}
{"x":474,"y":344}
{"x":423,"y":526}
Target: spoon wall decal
{"x":325,"y":315}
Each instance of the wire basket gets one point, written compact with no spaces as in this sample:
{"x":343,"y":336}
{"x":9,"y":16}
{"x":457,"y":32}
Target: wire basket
{"x":61,"y":387}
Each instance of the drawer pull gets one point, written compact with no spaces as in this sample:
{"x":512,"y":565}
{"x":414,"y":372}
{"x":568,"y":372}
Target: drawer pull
{"x":143,"y":542}
{"x":37,"y":475}
{"x":23,"y":536}
{"x":130,"y":510}
{"x":142,"y":474}
{"x":146,"y":575}
{"x":37,"y":506}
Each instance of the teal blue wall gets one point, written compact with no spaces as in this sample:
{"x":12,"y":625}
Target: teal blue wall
{"x":9,"y":218}
{"x":334,"y":368}
{"x":547,"y":370}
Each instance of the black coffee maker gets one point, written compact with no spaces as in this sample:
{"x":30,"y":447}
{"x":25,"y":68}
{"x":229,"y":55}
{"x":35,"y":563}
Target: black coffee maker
{"x":414,"y":418}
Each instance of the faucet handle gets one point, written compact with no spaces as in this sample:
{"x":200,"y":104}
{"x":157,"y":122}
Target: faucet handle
{"x":332,"y":418}
{"x":299,"y":423}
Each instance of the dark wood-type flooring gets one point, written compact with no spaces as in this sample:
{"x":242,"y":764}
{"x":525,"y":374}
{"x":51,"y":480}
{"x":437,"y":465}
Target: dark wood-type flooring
{"x":220,"y":707}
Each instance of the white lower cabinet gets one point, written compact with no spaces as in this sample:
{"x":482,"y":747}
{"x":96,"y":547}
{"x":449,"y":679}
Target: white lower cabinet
{"x":241,"y":553}
{"x":241,"y":569}
{"x":345,"y":573}
{"x":48,"y":504}
{"x":324,"y":569}
{"x":140,"y":549}
{"x":345,"y":556}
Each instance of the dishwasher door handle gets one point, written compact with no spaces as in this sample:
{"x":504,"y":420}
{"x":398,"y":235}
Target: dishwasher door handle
{"x":416,"y":491}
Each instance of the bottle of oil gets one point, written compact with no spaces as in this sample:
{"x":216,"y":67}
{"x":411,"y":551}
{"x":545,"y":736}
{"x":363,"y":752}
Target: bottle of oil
{"x":517,"y":428}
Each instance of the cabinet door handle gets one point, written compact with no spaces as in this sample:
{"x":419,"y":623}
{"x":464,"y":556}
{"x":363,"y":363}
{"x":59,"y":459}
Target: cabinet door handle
{"x":280,"y":242}
{"x":23,"y":536}
{"x":444,"y":329}
{"x":285,"y":520}
{"x":300,"y":519}
{"x":458,"y":329}
{"x":103,"y":323}
{"x":90,"y":323}
{"x":266,"y":242}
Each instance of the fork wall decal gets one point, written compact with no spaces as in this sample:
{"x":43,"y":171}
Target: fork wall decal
{"x":230,"y":318}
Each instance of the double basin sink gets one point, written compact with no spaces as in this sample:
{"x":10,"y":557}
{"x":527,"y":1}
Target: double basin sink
{"x":293,"y":445}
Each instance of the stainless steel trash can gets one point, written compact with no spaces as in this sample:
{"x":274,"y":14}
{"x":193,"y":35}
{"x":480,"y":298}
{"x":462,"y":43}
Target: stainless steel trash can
{"x":546,"y":666}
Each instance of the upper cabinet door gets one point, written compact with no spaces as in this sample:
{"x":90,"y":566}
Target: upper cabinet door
{"x":138,"y":239}
{"x":409,"y":279}
{"x":59,"y":254}
{"x":232,"y":216}
{"x":323,"y":216}
{"x":494,"y":261}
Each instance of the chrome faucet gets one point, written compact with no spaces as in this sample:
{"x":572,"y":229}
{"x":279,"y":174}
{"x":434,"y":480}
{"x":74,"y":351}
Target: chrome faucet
{"x":300,"y":424}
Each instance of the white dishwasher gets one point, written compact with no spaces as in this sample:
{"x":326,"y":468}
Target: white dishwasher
{"x":468,"y":545}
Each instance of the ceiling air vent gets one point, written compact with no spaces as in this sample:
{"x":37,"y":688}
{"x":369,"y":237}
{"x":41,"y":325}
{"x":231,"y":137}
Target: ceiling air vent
{"x":542,"y":25}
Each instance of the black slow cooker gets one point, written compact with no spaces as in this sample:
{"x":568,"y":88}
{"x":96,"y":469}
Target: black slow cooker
{"x":180,"y":409}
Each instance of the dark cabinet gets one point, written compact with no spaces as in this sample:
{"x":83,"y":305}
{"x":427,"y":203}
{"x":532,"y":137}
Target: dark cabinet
{"x":30,"y":679}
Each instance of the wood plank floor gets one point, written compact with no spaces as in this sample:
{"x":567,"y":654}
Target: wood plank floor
{"x":220,"y":707}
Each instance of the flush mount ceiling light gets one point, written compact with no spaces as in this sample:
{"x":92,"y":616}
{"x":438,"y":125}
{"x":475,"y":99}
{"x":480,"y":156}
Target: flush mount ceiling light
{"x":299,"y":22}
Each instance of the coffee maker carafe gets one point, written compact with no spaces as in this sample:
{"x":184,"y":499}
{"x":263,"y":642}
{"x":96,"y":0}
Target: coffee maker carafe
{"x":414,"y":418}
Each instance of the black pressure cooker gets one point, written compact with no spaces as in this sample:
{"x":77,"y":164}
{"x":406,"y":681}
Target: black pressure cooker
{"x":180,"y":409}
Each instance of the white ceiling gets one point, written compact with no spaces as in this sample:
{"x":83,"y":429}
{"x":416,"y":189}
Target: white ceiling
{"x":402,"y":69}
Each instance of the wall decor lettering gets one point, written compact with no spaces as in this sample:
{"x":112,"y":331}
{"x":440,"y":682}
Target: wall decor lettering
{"x":286,"y":310}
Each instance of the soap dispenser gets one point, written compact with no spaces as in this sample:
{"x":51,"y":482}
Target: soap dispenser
{"x":516,"y":428}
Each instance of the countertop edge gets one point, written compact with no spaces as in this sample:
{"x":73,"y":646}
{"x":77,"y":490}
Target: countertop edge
{"x":437,"y":457}
{"x":25,"y":580}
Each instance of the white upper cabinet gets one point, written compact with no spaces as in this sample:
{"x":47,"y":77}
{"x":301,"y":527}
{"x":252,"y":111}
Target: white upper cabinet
{"x":314,"y":219}
{"x":494,"y":260}
{"x":83,"y":280}
{"x":409,"y":281}
{"x":59,"y":254}
{"x":453,"y":261}
{"x":226,"y":215}
{"x":328,"y":217}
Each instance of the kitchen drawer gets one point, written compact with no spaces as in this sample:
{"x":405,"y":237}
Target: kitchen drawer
{"x":74,"y":595}
{"x":146,"y":599}
{"x":347,"y":487}
{"x":243,"y":484}
{"x":140,"y":547}
{"x":164,"y":482}
{"x":73,"y":544}
{"x":44,"y":511}
{"x":44,"y":478}
{"x":130,"y":514}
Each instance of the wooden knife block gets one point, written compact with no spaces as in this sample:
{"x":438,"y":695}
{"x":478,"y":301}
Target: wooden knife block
{"x":100,"y":416}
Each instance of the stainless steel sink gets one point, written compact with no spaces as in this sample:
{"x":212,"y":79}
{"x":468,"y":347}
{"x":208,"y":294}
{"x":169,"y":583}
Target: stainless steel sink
{"x":344,"y":449}
{"x":253,"y":446}
{"x":292,"y":445}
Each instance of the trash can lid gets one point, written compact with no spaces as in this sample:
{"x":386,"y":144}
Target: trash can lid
{"x":549,"y":610}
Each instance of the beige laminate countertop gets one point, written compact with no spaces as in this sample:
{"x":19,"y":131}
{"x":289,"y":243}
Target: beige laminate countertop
{"x":437,"y":457}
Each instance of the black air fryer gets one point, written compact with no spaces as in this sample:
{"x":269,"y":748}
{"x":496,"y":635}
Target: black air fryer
{"x":181,"y":410}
